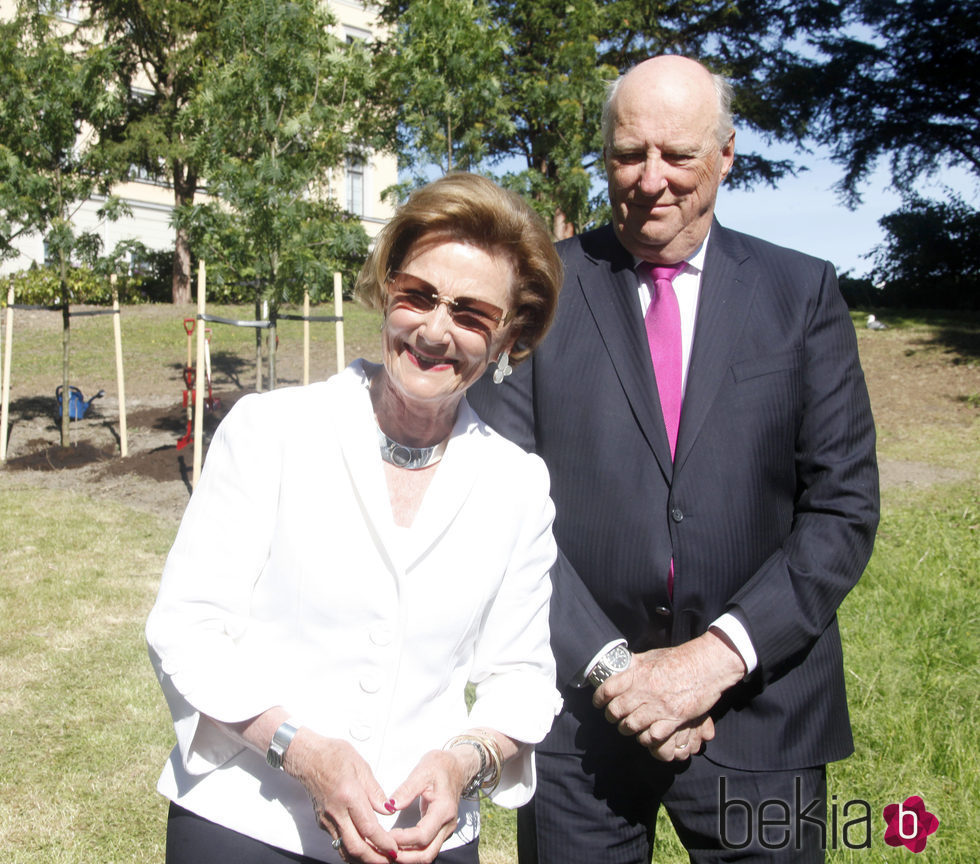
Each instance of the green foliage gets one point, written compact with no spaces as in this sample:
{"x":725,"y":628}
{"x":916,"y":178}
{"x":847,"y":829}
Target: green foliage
{"x":56,"y":99}
{"x":540,"y":79}
{"x":161,"y":50}
{"x":444,"y":110}
{"x":279,"y":108}
{"x":931,"y":255}
{"x":898,"y":83}
{"x":41,"y":286}
{"x":52,"y":91}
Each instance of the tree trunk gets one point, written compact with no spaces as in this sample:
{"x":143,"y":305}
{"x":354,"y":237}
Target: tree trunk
{"x":561,"y":227}
{"x":181,"y":291}
{"x":185,"y":185}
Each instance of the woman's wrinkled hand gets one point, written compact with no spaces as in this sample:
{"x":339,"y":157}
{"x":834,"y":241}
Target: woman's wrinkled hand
{"x":438,"y":782}
{"x":346,"y":796}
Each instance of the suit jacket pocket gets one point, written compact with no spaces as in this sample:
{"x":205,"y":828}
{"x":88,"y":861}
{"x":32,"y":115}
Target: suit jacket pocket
{"x":756,"y":367}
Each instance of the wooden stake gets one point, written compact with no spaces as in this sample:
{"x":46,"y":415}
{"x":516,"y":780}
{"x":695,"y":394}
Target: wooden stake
{"x":338,"y":310}
{"x":306,"y":337}
{"x":120,"y":378}
{"x":5,"y":373}
{"x":199,"y":380}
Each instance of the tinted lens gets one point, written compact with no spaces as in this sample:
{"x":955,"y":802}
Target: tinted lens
{"x":417,"y":300}
{"x":419,"y":296}
{"x":475,"y":314}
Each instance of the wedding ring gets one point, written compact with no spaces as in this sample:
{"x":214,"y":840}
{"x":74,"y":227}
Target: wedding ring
{"x":338,"y":842}
{"x":681,"y":746}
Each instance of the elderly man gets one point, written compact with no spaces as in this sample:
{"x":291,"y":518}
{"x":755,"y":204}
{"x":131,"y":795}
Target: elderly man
{"x":700,"y":405}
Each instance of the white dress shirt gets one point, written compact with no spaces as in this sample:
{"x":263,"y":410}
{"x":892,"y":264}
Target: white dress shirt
{"x":290,"y":584}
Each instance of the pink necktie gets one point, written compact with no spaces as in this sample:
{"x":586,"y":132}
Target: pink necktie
{"x":663,"y":324}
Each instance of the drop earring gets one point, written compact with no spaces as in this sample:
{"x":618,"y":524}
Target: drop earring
{"x":503,"y":368}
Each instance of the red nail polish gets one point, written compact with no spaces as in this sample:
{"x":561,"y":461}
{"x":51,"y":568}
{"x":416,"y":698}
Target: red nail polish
{"x":393,"y":856}
{"x":390,"y":806}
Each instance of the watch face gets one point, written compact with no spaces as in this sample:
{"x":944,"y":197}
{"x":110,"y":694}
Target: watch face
{"x":618,"y":658}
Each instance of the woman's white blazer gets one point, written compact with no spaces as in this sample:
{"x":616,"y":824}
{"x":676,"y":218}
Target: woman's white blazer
{"x":289,"y":584}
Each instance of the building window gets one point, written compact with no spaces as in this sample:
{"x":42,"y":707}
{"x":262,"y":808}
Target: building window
{"x":71,"y":12}
{"x":355,"y":35}
{"x":355,"y":186}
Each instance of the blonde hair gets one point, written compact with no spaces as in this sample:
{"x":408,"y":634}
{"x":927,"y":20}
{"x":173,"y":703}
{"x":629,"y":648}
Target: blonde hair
{"x":468,"y":208}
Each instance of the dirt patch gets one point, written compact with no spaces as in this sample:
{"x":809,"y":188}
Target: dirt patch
{"x":156,"y":474}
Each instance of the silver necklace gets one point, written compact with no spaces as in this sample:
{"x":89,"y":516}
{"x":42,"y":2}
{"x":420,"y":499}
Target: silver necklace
{"x":412,"y":458}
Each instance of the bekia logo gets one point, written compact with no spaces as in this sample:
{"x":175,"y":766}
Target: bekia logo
{"x":909,"y":824}
{"x":801,"y":823}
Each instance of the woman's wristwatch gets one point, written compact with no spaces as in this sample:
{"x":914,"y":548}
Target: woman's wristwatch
{"x":616,"y":659}
{"x":280,"y":743}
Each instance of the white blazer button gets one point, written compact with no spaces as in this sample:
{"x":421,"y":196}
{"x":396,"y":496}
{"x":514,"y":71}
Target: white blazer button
{"x":360,"y":732}
{"x":370,"y":684}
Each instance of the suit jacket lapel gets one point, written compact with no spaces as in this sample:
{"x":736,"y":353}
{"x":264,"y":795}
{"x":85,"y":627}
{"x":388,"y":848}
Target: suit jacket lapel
{"x":611,"y":294}
{"x":727,"y":290}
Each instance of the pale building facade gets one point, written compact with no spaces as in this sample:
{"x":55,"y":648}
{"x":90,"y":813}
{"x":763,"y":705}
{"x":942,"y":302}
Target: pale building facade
{"x":357,"y":188}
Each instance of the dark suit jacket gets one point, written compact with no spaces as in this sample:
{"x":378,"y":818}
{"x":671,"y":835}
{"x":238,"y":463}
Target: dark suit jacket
{"x":769,"y":510}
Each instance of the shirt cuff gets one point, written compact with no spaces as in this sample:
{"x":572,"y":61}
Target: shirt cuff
{"x":739,"y":637}
{"x":580,"y":679}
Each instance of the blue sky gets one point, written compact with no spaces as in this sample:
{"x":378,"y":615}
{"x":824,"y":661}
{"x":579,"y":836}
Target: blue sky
{"x":805,"y":213}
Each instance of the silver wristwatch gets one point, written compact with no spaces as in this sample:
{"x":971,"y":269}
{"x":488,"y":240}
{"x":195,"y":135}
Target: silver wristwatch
{"x":280,"y":742}
{"x":616,"y":659}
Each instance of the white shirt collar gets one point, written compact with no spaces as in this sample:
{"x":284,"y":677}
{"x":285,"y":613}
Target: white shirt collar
{"x":695,"y":260}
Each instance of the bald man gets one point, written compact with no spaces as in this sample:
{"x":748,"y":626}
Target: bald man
{"x":702,"y":410}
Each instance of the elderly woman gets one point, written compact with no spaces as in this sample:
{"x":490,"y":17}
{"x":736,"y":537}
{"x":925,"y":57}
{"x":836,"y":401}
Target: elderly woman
{"x":357,"y":551}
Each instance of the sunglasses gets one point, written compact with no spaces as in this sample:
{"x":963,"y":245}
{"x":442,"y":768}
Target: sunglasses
{"x":410,"y":292}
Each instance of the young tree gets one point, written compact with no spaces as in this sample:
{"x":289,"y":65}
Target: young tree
{"x":162,"y":48}
{"x":56,"y":97}
{"x":444,"y":72}
{"x":279,"y":108}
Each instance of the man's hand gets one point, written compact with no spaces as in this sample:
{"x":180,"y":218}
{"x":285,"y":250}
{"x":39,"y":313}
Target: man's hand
{"x":665,"y":695}
{"x":683,"y":744}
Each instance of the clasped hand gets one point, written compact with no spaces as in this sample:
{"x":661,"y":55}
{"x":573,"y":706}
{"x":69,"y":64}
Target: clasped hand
{"x":664,"y":697}
{"x":347,"y":800}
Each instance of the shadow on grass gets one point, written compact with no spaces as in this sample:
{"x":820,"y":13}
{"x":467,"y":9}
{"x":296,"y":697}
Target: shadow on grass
{"x":225,"y":364}
{"x":954,"y":333}
{"x":964,"y":342}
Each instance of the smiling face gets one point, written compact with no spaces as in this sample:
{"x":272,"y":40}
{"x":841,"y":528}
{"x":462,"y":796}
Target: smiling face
{"x":663,"y":158}
{"x":429,"y":357}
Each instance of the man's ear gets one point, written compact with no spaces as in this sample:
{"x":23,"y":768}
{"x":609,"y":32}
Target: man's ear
{"x":728,"y":155}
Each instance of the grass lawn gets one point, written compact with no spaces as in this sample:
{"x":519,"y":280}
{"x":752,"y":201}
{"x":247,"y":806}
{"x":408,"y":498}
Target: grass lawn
{"x":84,"y":730}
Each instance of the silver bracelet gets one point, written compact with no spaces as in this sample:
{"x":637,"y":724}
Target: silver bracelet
{"x":472,"y":789}
{"x":281,"y":740}
{"x":491,"y":760}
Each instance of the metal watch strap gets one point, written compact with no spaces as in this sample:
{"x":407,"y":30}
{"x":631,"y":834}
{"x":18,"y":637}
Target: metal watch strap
{"x":280,"y":743}
{"x":600,"y":672}
{"x":616,"y":659}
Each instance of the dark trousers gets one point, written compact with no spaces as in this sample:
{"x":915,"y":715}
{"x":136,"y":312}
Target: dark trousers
{"x":589,"y":813}
{"x":192,"y":839}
